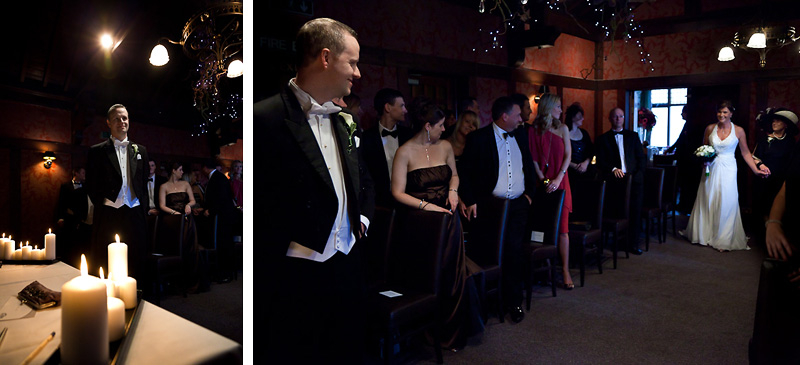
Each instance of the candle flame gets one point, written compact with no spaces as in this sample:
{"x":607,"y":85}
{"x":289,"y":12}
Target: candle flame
{"x":49,"y":230}
{"x":84,"y":266}
{"x":101,"y":273}
{"x":117,"y":237}
{"x":4,"y":235}
{"x":35,"y":247}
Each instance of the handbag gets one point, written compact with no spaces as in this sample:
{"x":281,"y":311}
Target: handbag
{"x":39,"y":296}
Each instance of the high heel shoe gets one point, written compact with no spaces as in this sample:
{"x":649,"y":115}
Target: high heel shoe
{"x":568,"y":286}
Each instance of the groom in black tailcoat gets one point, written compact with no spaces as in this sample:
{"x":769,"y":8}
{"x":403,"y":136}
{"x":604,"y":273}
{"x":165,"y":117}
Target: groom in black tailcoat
{"x":611,"y":147}
{"x":318,"y":199}
{"x":497,"y":164}
{"x":218,"y":202}
{"x":116,"y":179}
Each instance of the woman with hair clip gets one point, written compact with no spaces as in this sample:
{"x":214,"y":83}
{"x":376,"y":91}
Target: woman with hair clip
{"x":552,"y":152}
{"x":424,"y":176}
{"x":716,"y":220}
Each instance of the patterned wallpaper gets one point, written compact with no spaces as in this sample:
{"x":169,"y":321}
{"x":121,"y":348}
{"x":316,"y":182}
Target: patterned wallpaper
{"x":374,"y":78}
{"x":488,"y":91}
{"x":39,"y":123}
{"x":571,"y":56}
{"x":711,"y":5}
{"x":40,"y":188}
{"x":659,"y":9}
{"x":609,"y":102}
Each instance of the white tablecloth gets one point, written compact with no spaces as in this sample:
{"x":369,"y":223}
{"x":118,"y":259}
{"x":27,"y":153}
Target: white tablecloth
{"x":159,"y":337}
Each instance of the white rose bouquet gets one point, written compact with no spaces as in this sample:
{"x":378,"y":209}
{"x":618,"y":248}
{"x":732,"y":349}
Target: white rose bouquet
{"x":706,"y":153}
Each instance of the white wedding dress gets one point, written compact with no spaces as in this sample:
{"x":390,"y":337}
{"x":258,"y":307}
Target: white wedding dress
{"x":716,"y":220}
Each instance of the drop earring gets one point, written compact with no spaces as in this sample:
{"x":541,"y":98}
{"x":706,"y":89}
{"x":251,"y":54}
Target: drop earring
{"x":429,"y":135}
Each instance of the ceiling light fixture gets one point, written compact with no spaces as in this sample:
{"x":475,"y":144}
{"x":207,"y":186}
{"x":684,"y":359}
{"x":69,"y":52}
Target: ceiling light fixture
{"x":212,"y":38}
{"x":760,"y":40}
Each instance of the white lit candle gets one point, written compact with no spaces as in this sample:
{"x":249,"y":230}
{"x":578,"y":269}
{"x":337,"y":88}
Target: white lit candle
{"x":111,"y":287}
{"x":126,"y":288}
{"x":49,"y":245}
{"x":84,"y":320}
{"x":36,"y":253}
{"x":26,"y":251}
{"x":118,"y":259}
{"x":116,"y":318}
{"x":3,"y":250}
{"x":15,"y":253}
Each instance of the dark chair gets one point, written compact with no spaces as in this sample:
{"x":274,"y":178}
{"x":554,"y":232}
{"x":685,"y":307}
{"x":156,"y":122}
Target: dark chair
{"x":544,"y":217}
{"x":616,"y":214}
{"x":586,"y":220}
{"x":166,"y":257}
{"x":375,"y":247}
{"x":485,"y":248}
{"x":651,"y":204}
{"x":414,"y":262}
{"x":207,"y":239}
{"x":669,"y":198}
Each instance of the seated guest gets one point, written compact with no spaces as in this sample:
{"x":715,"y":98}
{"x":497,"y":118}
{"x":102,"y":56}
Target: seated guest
{"x":450,"y":121}
{"x":154,"y":182}
{"x":380,"y":143}
{"x":198,"y":182}
{"x":496,"y":167}
{"x":467,"y":122}
{"x":425,"y":177}
{"x":582,"y":148}
{"x":175,"y":197}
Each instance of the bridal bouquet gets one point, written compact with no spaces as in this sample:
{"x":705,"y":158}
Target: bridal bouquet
{"x":706,"y":154}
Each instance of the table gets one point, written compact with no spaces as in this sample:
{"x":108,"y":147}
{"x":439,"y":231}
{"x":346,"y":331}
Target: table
{"x":158,"y":336}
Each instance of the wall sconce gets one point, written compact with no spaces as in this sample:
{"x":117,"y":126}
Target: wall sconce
{"x":544,"y":89}
{"x":48,"y":157}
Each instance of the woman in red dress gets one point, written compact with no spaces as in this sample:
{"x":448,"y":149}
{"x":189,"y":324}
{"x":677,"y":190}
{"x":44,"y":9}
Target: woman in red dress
{"x":552,"y":151}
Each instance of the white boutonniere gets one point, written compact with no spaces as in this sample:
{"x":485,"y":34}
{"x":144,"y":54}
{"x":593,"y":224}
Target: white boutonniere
{"x":351,"y":130}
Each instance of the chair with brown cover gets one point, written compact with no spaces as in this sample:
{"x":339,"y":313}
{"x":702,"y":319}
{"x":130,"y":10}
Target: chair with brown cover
{"x":414,"y":264}
{"x":485,"y":248}
{"x":166,"y":252}
{"x":616,"y":214}
{"x":544,"y":217}
{"x":585,"y":222}
{"x":651,"y":204}
{"x":669,"y":198}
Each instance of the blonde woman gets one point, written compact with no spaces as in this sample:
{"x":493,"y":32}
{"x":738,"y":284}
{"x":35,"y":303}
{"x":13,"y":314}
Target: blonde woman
{"x":552,"y":152}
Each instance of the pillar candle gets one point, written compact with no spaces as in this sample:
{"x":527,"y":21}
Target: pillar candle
{"x":118,"y":259}
{"x":8,"y":252}
{"x":49,"y":245}
{"x":3,"y":247}
{"x":84,"y":320}
{"x":36,"y":253}
{"x":111,"y":287}
{"x":116,"y":318}
{"x":127,"y":291}
{"x":26,"y":251}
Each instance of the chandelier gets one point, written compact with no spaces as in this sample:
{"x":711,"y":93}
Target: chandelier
{"x":760,"y":40}
{"x":212,"y":38}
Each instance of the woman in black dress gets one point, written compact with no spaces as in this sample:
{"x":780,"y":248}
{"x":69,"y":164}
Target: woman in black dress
{"x":424,"y":176}
{"x":175,"y":197}
{"x":580,"y":166}
{"x":773,"y":150}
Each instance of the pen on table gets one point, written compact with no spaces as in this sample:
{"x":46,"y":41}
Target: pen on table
{"x":39,"y":348}
{"x":3,"y":335}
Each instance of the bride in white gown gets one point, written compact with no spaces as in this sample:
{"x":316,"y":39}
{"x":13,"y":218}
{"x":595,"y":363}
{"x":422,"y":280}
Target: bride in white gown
{"x":715,"y":219}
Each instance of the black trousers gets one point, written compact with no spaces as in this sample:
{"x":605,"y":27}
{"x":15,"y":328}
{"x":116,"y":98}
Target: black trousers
{"x":637,"y":197}
{"x":513,"y":251}
{"x":131,"y":226}
{"x":314,"y":311}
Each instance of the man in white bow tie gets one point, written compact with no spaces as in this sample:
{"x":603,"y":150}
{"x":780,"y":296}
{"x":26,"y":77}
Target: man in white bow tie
{"x":318,"y":199}
{"x":116,"y":179}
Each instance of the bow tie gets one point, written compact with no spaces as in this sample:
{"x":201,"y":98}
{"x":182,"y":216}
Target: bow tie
{"x":324,"y":109}
{"x":617,"y":133}
{"x":387,"y":132}
{"x":77,"y":183}
{"x":151,"y":179}
{"x":121,"y":144}
{"x":506,"y":135}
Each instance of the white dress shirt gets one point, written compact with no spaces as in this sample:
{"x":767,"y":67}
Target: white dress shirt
{"x":510,"y":177}
{"x":151,"y":184}
{"x":126,"y":196}
{"x":390,"y":146}
{"x":621,"y":148}
{"x":341,"y":237}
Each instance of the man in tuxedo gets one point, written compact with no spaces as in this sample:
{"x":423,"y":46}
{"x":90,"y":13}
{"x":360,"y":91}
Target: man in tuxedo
{"x":318,"y":200}
{"x":380,"y":143}
{"x":74,"y":214}
{"x":497,"y":164}
{"x":620,"y":153}
{"x":524,"y":106}
{"x":154,"y":183}
{"x":219,"y":203}
{"x":116,"y":179}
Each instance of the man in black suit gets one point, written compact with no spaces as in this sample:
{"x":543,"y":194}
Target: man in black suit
{"x":620,"y":153}
{"x":318,"y":198}
{"x":497,"y":164}
{"x":219,"y":203}
{"x":74,"y":218}
{"x":116,"y":179}
{"x":154,"y":183}
{"x":380,"y":143}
